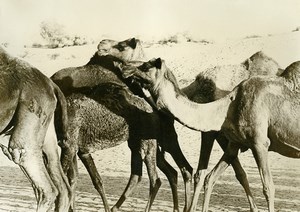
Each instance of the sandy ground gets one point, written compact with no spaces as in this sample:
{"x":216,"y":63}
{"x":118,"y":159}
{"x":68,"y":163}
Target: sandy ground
{"x":186,"y":60}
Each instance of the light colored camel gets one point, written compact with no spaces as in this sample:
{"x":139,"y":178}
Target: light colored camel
{"x":212,"y":84}
{"x":261,"y":113}
{"x":28,"y":101}
{"x":103,"y":112}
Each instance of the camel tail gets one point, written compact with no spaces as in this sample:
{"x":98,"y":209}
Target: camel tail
{"x":61,"y":115}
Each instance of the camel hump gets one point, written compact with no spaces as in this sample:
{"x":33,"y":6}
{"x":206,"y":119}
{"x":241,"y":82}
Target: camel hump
{"x":292,"y":75}
{"x":292,"y":71}
{"x":261,"y":64}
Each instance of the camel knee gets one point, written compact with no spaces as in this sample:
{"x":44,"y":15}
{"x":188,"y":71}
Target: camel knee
{"x":45,"y":198}
{"x":73,"y":182}
{"x":156,"y":185}
{"x":208,"y":184}
{"x":199,"y":176}
{"x":67,"y":156}
{"x":268,"y":192}
{"x":65,"y":191}
{"x":63,"y":200}
{"x":187,"y":175}
{"x":17,"y":155}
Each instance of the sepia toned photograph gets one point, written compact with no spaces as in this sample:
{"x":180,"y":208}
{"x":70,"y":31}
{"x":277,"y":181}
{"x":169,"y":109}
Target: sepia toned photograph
{"x":161,"y":105}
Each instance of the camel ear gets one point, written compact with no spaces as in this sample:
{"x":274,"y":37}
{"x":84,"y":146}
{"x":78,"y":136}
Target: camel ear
{"x":132,"y":43}
{"x":247,"y":63}
{"x":158,"y":63}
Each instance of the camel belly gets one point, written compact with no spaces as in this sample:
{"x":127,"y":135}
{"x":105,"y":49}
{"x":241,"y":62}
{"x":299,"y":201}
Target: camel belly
{"x":93,"y":127}
{"x":285,"y":141}
{"x":284,"y":130}
{"x":102,"y":132}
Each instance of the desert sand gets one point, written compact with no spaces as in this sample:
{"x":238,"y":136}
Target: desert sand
{"x":186,"y":60}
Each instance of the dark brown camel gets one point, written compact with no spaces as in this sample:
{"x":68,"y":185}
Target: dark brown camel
{"x":260,"y":114}
{"x":103,"y":112}
{"x":28,"y":100}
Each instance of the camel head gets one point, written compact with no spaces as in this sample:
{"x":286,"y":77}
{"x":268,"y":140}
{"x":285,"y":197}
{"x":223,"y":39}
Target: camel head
{"x":127,"y":50}
{"x":112,"y":54}
{"x":152,"y":77}
{"x":148,"y":74}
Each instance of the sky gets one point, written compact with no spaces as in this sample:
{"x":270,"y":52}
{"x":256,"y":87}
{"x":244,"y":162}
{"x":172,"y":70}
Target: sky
{"x":120,"y":19}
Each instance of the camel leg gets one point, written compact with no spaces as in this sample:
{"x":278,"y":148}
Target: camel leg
{"x":210,"y":180}
{"x":135,"y":177}
{"x":207,"y":142}
{"x":150,"y":161}
{"x":186,"y":171}
{"x":89,"y":164}
{"x":172,"y":176}
{"x":169,"y":143}
{"x":68,"y":160}
{"x":260,"y":152}
{"x":50,"y":148}
{"x":32,"y":164}
{"x":25,"y":147}
{"x":68,"y":152}
{"x":73,"y":179}
{"x":240,"y":174}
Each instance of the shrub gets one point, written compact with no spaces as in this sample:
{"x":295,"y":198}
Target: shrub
{"x":55,"y":36}
{"x":296,"y":30}
{"x":182,"y":38}
{"x":52,"y":33}
{"x":252,"y":36}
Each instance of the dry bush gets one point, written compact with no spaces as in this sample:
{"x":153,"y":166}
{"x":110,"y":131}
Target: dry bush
{"x":56,"y":37}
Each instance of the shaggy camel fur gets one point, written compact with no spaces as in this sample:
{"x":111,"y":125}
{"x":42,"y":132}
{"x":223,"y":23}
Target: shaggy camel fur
{"x":103,"y":112}
{"x":261,"y":113}
{"x":213,"y":84}
{"x":28,"y":101}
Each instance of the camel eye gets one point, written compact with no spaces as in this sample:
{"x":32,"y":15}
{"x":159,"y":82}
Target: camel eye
{"x":119,"y":47}
{"x":144,"y":67}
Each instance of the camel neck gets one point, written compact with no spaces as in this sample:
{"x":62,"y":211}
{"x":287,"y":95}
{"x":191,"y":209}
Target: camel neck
{"x":201,"y":117}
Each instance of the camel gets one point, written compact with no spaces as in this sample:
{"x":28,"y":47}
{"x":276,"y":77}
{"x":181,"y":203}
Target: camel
{"x":215,"y":82}
{"x":104,"y":112}
{"x":28,"y":102}
{"x":212,"y":84}
{"x":260,"y":114}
